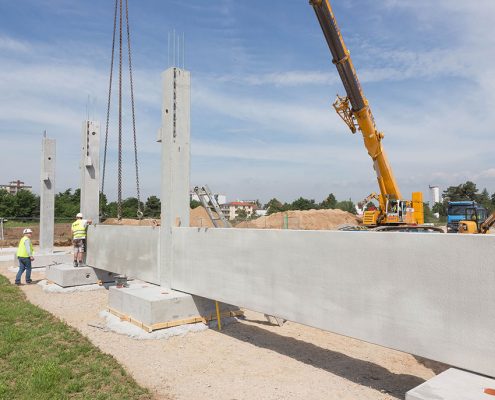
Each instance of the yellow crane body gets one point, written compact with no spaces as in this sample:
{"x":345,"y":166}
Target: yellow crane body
{"x":354,"y":109}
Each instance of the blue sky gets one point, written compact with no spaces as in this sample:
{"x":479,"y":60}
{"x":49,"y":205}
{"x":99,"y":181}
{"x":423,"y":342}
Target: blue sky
{"x":262,"y":88}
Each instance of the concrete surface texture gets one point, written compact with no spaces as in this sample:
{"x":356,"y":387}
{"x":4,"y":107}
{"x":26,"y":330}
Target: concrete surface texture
{"x":51,"y":258}
{"x":126,"y":250}
{"x":152,"y":304}
{"x":453,"y":384}
{"x":90,"y":170}
{"x":47,"y":194}
{"x":426,"y":294}
{"x":67,"y":275}
{"x":174,"y":136}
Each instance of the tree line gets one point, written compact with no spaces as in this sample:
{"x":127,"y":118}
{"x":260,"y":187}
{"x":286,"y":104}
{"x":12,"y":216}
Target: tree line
{"x":330,"y":202}
{"x":26,"y":205}
{"x":464,"y":191}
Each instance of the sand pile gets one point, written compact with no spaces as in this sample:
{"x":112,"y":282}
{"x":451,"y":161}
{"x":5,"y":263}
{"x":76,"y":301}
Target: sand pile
{"x":198,"y":218}
{"x":308,"y":220}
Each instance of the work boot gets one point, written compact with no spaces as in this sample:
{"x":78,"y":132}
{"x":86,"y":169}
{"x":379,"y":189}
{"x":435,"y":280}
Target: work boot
{"x":75,"y":264}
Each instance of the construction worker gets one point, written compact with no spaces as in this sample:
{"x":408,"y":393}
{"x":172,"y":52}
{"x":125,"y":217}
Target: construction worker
{"x":25,"y":254}
{"x":79,"y":228}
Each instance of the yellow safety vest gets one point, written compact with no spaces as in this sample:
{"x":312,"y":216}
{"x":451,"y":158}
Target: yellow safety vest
{"x":21,"y":250}
{"x":78,"y":229}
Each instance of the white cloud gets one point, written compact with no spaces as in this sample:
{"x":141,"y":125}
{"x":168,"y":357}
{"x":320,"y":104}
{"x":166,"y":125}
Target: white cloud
{"x":10,"y":44}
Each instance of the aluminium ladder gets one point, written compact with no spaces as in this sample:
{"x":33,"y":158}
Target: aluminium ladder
{"x":211,"y":206}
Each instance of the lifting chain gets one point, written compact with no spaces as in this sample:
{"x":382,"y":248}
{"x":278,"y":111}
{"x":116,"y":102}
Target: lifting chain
{"x":119,"y":6}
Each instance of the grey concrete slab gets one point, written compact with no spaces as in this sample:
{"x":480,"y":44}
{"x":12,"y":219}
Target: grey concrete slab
{"x":43,"y":258}
{"x":125,"y":250}
{"x":47,"y":194}
{"x":153,"y":304}
{"x":174,"y":136}
{"x":90,"y":170}
{"x":453,"y":384}
{"x":426,"y":294}
{"x":66,"y":275}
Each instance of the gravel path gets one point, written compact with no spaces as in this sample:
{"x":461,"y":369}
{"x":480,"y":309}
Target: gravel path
{"x":247,"y":360}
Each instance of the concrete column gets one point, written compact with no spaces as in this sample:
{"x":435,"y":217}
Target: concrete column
{"x":90,"y":170}
{"x":47,"y":195}
{"x":174,"y":136}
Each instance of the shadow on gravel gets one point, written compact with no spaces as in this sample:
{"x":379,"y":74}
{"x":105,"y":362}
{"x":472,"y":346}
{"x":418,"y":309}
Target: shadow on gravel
{"x":435,"y":366}
{"x":355,"y":370}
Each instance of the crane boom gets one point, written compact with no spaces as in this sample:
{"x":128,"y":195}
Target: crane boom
{"x":360,"y":113}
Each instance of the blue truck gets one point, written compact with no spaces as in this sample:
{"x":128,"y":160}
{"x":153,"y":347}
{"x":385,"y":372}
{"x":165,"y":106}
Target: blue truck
{"x":462,"y":210}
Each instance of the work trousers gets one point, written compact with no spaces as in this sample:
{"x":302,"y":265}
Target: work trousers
{"x":24,"y":265}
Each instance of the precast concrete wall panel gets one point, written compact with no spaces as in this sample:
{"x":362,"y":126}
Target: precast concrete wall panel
{"x":126,"y":250}
{"x":431,"y":295}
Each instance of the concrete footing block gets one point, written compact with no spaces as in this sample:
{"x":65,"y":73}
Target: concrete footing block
{"x":453,"y":384}
{"x":66,"y":275}
{"x":156,"y":307}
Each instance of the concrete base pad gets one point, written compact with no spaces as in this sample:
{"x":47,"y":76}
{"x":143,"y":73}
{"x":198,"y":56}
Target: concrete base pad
{"x":453,"y":384}
{"x":153,"y":305}
{"x":66,"y":275}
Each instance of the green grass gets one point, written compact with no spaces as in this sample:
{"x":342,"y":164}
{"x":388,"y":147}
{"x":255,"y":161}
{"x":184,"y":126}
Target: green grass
{"x":44,"y":358}
{"x":15,"y":223}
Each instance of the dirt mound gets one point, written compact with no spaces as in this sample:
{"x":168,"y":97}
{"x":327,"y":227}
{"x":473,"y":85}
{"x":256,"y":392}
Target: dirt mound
{"x":199,"y":218}
{"x":307,"y":220}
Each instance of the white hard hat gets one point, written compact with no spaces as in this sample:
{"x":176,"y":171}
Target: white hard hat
{"x":79,"y":215}
{"x":27,"y":230}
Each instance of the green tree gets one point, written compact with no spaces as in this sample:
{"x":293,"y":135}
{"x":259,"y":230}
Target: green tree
{"x":440,"y":208}
{"x":485,"y":200}
{"x":329,"y":202}
{"x":275,"y":206}
{"x":465,"y":191}
{"x":67,"y":204}
{"x":7,"y":202}
{"x":152,"y":207}
{"x":241,"y":215}
{"x":130,"y":207}
{"x":194,"y":204}
{"x":304,"y":204}
{"x":26,"y":204}
{"x":346,"y":205}
{"x":428,"y":214}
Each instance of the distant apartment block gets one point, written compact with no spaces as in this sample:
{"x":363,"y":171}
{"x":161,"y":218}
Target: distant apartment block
{"x":231,"y":210}
{"x":14,"y":186}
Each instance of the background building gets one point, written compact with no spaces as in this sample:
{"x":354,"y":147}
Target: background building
{"x":14,"y":186}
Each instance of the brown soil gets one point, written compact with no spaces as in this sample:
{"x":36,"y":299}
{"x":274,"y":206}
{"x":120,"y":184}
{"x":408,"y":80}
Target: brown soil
{"x":307,"y":220}
{"x":62,"y":235}
{"x":198,"y":218}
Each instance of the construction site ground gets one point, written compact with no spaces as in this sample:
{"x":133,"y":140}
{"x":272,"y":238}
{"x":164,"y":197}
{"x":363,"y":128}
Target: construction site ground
{"x":246,"y":360}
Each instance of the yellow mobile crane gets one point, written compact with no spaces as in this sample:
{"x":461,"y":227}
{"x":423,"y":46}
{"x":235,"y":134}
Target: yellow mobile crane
{"x":356,"y":113}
